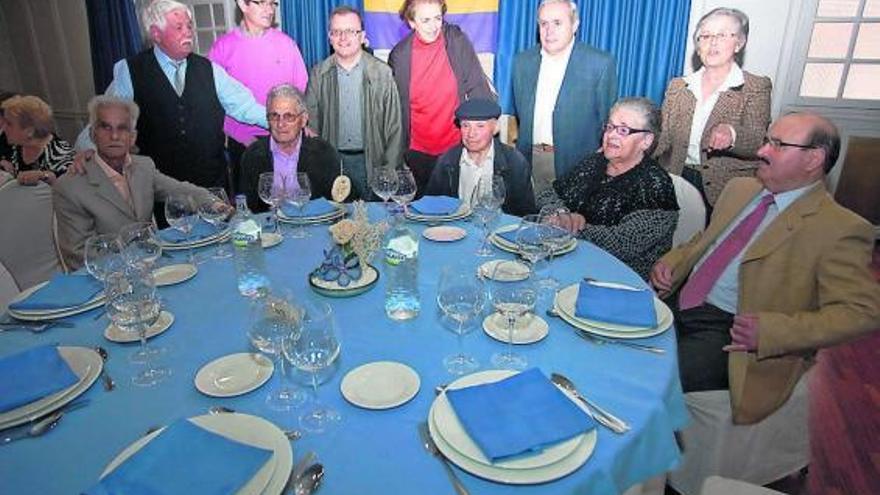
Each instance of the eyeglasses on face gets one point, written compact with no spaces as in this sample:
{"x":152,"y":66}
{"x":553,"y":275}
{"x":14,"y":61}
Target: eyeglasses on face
{"x":345,"y":33}
{"x":709,"y":37}
{"x":778,"y":144}
{"x":622,"y":130}
{"x":264,"y":3}
{"x":283,"y":117}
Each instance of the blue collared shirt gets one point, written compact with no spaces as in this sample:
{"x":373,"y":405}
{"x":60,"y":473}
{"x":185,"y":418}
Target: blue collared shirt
{"x":725,"y":292}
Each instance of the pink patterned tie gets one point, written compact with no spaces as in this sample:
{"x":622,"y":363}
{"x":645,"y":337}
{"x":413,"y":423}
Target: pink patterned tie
{"x":703,"y":279}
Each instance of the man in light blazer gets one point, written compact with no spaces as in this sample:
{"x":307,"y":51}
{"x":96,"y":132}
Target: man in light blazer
{"x":118,"y":188}
{"x":799,"y":282}
{"x":562,"y":91}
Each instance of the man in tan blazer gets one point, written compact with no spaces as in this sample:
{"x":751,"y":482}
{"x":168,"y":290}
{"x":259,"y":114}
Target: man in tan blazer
{"x":801,"y":281}
{"x":117,"y":188}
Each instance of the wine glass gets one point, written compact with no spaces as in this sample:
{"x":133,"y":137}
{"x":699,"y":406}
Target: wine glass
{"x":182,"y":214}
{"x":272,"y":192}
{"x":531,"y":240}
{"x":384,"y":184}
{"x":513,"y":293}
{"x":461,"y":297}
{"x":406,"y":189}
{"x":275,"y":320}
{"x":140,"y":244}
{"x":485,"y":202}
{"x":298,"y":195}
{"x":103,"y":255}
{"x":212,"y":212}
{"x":315,"y":348}
{"x":557,"y":238}
{"x":134,"y":306}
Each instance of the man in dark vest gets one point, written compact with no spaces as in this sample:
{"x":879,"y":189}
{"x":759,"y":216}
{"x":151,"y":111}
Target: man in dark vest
{"x":184,"y":98}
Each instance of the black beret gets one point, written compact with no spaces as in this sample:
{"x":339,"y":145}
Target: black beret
{"x":477,"y":109}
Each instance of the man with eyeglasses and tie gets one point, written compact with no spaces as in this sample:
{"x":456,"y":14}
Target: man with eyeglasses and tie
{"x":287,"y":150}
{"x":780,"y":272}
{"x":354,"y":104}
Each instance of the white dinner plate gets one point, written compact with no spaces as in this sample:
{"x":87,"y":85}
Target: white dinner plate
{"x":511,"y":247}
{"x":565,"y":305}
{"x":519,"y":271}
{"x":243,"y":428}
{"x":444,"y":233}
{"x":116,"y":334}
{"x":271,"y":239}
{"x":380,"y":385}
{"x":85,"y":363}
{"x":51,"y":314}
{"x":204,"y":241}
{"x":527,"y":330}
{"x":235,"y":374}
{"x":552,"y":463}
{"x":174,"y":274}
{"x":463,"y":211}
{"x":337,"y":213}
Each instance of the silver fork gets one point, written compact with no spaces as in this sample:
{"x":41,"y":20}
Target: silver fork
{"x":34,"y":328}
{"x":432,"y":449}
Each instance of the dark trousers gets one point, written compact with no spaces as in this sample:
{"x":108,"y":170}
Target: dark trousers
{"x":234,"y":149}
{"x":702,"y":332}
{"x":421,"y":165}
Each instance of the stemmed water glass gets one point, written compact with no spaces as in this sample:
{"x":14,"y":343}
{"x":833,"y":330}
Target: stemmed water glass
{"x":513,"y":293}
{"x":211,"y":212}
{"x":406,"y":189}
{"x":272,"y":192}
{"x":557,"y":238}
{"x":314,"y":349}
{"x":140,"y":244}
{"x":275,"y":321}
{"x":461,"y":297}
{"x":384,"y":184}
{"x":103,"y":255}
{"x":299,"y":195}
{"x":182,"y":214}
{"x":134,"y":306}
{"x":486,"y":200}
{"x":531,"y":240}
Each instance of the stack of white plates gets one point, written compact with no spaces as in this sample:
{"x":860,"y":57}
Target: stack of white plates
{"x":453,"y":441}
{"x":243,"y":428}
{"x":85,"y":363}
{"x":565,"y":306}
{"x":339,"y":212}
{"x":51,"y":314}
{"x":463,"y":211}
{"x":511,"y":247}
{"x":219,"y":236}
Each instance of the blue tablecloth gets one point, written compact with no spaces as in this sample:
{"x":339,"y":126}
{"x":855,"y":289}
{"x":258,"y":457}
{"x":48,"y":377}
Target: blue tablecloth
{"x":371,"y":451}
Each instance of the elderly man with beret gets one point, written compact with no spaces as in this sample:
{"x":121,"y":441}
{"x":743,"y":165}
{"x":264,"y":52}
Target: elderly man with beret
{"x":482,"y":154}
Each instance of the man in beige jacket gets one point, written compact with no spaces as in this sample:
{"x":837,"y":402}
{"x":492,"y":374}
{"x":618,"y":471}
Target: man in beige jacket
{"x":751,"y":312}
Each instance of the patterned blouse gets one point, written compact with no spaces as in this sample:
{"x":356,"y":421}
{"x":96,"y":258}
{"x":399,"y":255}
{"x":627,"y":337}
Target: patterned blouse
{"x":56,"y":157}
{"x":632,"y":215}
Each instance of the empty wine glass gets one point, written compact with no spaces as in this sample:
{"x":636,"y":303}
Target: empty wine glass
{"x":513,"y":293}
{"x":182,"y":214}
{"x":485,"y":202}
{"x":384,"y":184}
{"x":103,"y":255}
{"x":134,"y":306}
{"x":213,"y":213}
{"x":275,"y":320}
{"x":461,"y":296}
{"x":557,"y":239}
{"x":315,"y":348}
{"x":531,"y":240}
{"x":298,"y":195}
{"x":272,"y":192}
{"x":406,"y":189}
{"x":140,"y":244}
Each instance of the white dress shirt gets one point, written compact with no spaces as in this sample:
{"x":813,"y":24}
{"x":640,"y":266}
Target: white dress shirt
{"x":703,"y":109}
{"x":470,"y":173}
{"x":550,"y":77}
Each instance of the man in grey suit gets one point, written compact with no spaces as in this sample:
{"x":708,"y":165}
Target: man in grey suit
{"x":118,"y":188}
{"x":562,"y":91}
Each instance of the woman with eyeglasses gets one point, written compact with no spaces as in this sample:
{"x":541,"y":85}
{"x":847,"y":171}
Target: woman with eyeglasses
{"x":715,"y":118}
{"x":260,"y":56}
{"x":620,"y":198}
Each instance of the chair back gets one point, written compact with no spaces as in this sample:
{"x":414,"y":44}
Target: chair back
{"x":28,"y":249}
{"x":8,"y":289}
{"x":691,"y":210}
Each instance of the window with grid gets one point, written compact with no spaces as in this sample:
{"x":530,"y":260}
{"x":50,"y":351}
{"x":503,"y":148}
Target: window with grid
{"x":212,"y":18}
{"x":842,"y":64}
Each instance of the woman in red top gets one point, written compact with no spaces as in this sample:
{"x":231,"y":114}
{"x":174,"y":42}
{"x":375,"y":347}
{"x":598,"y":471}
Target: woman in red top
{"x":435,"y":68}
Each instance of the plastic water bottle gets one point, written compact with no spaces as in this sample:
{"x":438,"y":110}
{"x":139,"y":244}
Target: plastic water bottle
{"x":248,"y":246}
{"x":402,"y":273}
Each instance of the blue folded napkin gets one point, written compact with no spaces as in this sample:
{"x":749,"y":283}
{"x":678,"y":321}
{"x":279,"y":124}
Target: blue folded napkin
{"x":517,"y":415}
{"x":63,"y":291}
{"x":32,"y":374}
{"x":436,"y":205}
{"x":201,"y":230}
{"x":185,"y":459}
{"x":313,"y":208}
{"x":613,"y":305}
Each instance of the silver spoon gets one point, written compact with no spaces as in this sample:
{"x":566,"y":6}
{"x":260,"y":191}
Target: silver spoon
{"x":39,"y":428}
{"x":309,"y":481}
{"x":109,"y":384}
{"x":602,"y":416}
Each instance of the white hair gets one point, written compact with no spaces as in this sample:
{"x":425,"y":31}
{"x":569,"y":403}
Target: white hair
{"x":154,"y":13}
{"x":286,"y":90}
{"x":101,"y":101}
{"x":575,"y":20}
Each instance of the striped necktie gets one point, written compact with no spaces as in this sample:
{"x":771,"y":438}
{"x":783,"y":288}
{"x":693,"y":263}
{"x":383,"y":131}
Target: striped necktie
{"x":179,"y":78}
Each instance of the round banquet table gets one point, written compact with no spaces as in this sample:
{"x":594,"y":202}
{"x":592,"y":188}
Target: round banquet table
{"x":370,"y":451}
